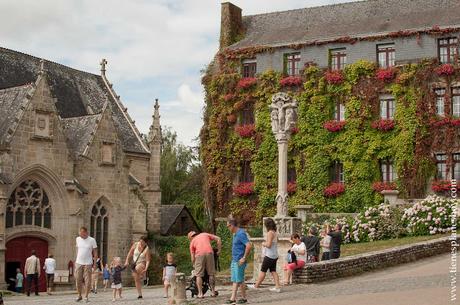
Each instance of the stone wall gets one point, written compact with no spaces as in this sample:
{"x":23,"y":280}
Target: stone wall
{"x":408,"y":49}
{"x":356,"y":264}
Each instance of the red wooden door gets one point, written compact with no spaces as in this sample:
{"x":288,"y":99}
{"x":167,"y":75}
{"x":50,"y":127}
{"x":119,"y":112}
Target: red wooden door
{"x":19,"y":249}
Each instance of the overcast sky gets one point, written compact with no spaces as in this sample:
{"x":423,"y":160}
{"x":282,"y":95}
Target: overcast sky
{"x":154,"y":48}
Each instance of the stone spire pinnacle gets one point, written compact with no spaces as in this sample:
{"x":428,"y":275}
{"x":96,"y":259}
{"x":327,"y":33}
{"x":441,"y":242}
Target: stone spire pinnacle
{"x":155,"y":128}
{"x":103,"y":64}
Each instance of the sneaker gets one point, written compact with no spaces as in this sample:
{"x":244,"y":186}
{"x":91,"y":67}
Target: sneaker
{"x":252,"y":286}
{"x":139,"y":297}
{"x":274,"y":289}
{"x":78,"y":299}
{"x":241,"y":301}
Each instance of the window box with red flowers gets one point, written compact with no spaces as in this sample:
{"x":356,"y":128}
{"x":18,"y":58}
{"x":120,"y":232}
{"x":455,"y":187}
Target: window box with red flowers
{"x":245,"y":131}
{"x":444,"y":70}
{"x":440,"y":122}
{"x":334,"y":77}
{"x":244,"y":189}
{"x":334,"y":125}
{"x":385,"y":75}
{"x":291,"y":81}
{"x":380,"y":186}
{"x":383,"y":125}
{"x":455,"y":122}
{"x":246,"y":82}
{"x":291,"y":187}
{"x":442,"y":186}
{"x":334,"y":190}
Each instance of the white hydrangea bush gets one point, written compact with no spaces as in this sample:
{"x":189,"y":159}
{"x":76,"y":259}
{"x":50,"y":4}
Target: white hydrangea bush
{"x":430,"y":216}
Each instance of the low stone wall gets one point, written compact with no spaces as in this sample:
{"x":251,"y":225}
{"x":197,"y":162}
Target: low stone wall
{"x":356,"y":264}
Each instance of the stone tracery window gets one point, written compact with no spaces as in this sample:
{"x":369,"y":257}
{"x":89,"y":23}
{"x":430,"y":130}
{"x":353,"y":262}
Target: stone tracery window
{"x":100,"y":228}
{"x":28,"y":205}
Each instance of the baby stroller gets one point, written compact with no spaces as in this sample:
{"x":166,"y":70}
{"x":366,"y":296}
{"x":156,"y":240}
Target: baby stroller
{"x":193,"y":288}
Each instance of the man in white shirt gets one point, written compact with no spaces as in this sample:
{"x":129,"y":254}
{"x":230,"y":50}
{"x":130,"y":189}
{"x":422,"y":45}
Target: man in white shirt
{"x":49,"y":266}
{"x":32,"y":271}
{"x":86,"y":256}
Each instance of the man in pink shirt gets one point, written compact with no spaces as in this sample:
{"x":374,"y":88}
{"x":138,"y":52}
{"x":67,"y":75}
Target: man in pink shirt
{"x":203,"y":258}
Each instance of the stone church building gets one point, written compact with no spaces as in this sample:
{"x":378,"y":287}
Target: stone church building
{"x":70,"y":156}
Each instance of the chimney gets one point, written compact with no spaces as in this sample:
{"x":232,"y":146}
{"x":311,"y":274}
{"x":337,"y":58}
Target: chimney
{"x":231,"y":25}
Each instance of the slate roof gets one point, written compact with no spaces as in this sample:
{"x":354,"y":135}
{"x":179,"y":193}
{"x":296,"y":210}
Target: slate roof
{"x":355,"y":19}
{"x":169,"y":214}
{"x":12,"y":104}
{"x":80,"y":131}
{"x":78,"y":93}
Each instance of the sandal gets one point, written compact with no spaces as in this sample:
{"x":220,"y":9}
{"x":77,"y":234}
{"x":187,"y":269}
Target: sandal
{"x":242,"y":301}
{"x":230,"y":302}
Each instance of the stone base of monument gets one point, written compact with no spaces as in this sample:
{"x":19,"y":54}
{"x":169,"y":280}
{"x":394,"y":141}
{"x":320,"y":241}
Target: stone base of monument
{"x":286,"y":226}
{"x":178,"y":287}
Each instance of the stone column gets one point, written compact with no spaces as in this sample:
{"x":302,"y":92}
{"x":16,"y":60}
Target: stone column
{"x":390,"y":196}
{"x":283,"y":114}
{"x":179,"y":293}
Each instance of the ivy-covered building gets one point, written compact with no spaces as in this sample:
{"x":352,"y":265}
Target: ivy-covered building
{"x":378,"y":88}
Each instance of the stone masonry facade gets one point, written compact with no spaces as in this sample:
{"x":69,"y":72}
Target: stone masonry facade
{"x":71,"y":156}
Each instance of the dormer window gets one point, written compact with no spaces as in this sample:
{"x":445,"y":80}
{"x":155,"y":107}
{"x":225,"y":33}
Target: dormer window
{"x":386,"y":55}
{"x":448,"y":50}
{"x":338,"y":59}
{"x":292,"y":64}
{"x":249,"y":69}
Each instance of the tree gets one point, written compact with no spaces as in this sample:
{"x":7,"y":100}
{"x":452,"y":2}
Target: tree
{"x":181,"y":179}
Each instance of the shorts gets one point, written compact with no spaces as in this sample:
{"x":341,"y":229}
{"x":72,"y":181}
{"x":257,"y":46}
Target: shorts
{"x":116,"y":286}
{"x":204,"y":262}
{"x":238,"y":272}
{"x":294,"y":266}
{"x":50,"y":280}
{"x":269,"y":264}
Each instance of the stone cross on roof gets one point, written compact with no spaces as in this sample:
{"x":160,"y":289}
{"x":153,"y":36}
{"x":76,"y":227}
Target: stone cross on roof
{"x":103,"y":64}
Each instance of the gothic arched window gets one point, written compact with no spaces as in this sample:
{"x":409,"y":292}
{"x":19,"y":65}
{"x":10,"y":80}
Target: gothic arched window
{"x":100,"y":228}
{"x":28,"y":205}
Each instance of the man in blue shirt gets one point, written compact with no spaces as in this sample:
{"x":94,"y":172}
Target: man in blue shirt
{"x":241,"y":247}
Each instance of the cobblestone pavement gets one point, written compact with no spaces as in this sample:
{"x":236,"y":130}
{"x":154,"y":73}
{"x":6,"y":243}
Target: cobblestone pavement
{"x":419,"y":283}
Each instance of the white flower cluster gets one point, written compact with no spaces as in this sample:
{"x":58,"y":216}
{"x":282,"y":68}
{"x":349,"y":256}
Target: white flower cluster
{"x":430,"y":216}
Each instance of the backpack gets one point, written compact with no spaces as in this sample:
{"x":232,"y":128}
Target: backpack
{"x":291,"y":257}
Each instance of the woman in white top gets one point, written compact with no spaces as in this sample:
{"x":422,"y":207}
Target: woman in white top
{"x":300,"y":252}
{"x":325,"y":245}
{"x":270,"y":252}
{"x":49,"y":267}
{"x":140,"y":255}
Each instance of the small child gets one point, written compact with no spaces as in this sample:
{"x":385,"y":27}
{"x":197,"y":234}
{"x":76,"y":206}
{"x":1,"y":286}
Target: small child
{"x":19,"y":280}
{"x":325,"y":245}
{"x":106,"y":276}
{"x":169,"y":272}
{"x":116,"y":270}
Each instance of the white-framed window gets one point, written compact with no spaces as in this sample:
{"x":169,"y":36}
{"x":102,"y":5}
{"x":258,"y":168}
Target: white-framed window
{"x":387,"y":170}
{"x":448,"y":50}
{"x":440,"y":101}
{"x":441,"y":167}
{"x":386,"y":55}
{"x":455,"y":106}
{"x":387,"y":108}
{"x":339,"y":112}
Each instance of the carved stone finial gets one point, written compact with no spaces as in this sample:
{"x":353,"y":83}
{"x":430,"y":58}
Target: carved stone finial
{"x":42,"y":66}
{"x":103,"y":64}
{"x":283,"y":114}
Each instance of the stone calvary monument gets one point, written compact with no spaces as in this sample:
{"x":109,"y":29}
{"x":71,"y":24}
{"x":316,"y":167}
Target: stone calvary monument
{"x":283,"y":114}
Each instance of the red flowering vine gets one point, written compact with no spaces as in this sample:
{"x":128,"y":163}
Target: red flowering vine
{"x":383,"y":125}
{"x":291,"y":81}
{"x":246,"y":131}
{"x":334,"y":190}
{"x":440,"y":122}
{"x":291,"y":187}
{"x":246,"y":82}
{"x":385,"y":75}
{"x":455,"y":122}
{"x":440,"y":186}
{"x":294,"y":130}
{"x":445,"y":70}
{"x":334,"y":77}
{"x":383,"y":186}
{"x":244,"y":189}
{"x":334,"y":125}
